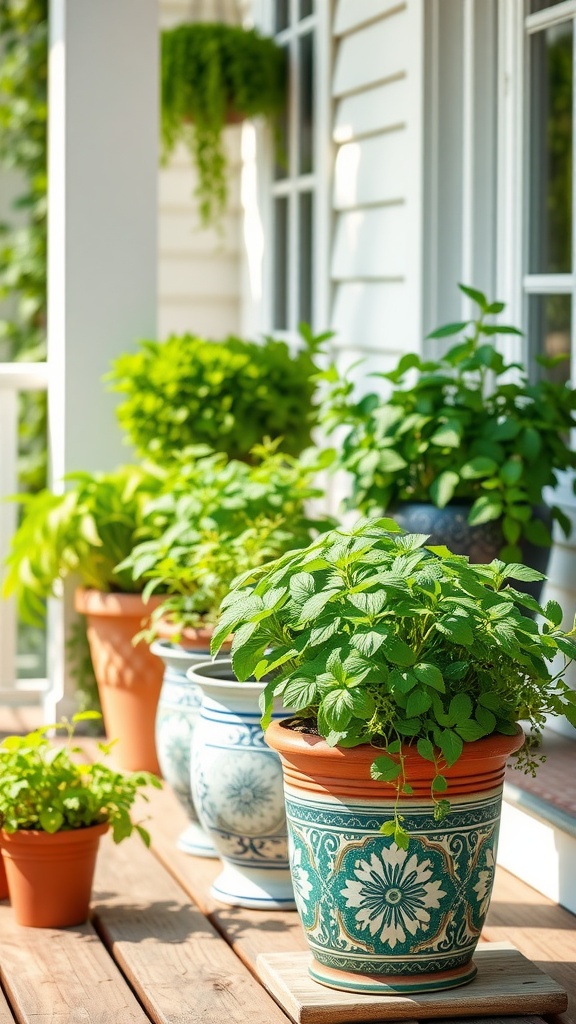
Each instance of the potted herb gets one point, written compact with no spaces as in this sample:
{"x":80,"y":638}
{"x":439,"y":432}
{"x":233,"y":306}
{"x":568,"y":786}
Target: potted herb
{"x":214,"y":74}
{"x":229,"y":395}
{"x":463,"y":446}
{"x":407,"y":670}
{"x":85,"y":532}
{"x":53,"y":809}
{"x":216,"y":519}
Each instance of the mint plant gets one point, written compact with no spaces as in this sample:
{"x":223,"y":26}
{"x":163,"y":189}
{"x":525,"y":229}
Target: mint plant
{"x":50,"y":787}
{"x":467,"y":426}
{"x":371,"y":637}
{"x":217,"y":518}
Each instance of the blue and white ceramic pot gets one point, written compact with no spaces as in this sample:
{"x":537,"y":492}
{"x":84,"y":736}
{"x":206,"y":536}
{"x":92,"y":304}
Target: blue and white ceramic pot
{"x":176,"y":717}
{"x":237,"y":790}
{"x":379,"y":918}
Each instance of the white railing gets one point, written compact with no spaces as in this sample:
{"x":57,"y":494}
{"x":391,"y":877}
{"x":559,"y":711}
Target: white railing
{"x":15,"y":378}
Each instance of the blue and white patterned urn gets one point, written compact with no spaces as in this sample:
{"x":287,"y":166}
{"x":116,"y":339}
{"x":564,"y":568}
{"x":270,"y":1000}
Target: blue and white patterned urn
{"x":237,"y":790}
{"x":176,"y":717}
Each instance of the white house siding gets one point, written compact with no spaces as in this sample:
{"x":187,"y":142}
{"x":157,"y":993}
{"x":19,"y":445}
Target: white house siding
{"x":376,"y":253}
{"x":198,"y":269}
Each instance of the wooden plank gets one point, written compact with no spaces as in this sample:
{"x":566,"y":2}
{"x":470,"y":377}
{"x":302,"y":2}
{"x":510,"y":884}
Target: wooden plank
{"x":370,"y":244}
{"x":178,"y":965}
{"x":350,"y":14}
{"x":6,"y":1016}
{"x":59,"y":976}
{"x":383,"y":107}
{"x":372,"y":171}
{"x":539,"y":928}
{"x":248,"y":932}
{"x":506,"y":983}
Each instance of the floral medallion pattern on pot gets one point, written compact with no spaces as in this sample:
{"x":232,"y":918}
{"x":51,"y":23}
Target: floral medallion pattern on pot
{"x":368,"y":905}
{"x":393,"y":894}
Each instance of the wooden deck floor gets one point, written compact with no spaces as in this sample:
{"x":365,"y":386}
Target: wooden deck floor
{"x":159,"y":948}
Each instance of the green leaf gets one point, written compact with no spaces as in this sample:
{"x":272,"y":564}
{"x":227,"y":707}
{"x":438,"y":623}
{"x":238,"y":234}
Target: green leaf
{"x":425,"y":749}
{"x":439,"y":784}
{"x":51,"y":820}
{"x":553,"y":612}
{"x":384,"y":769}
{"x":478,"y":467}
{"x":484,"y":510}
{"x":450,"y":744}
{"x":477,"y":296}
{"x":470,"y":731}
{"x":367,"y":643}
{"x":418,"y":702}
{"x":315,"y":604}
{"x":443,"y":487}
{"x":448,"y":330}
{"x":398,"y":652}
{"x":429,"y":674}
{"x":517,"y":571}
{"x":446,"y":436}
{"x":460,"y":709}
{"x":457,"y":629}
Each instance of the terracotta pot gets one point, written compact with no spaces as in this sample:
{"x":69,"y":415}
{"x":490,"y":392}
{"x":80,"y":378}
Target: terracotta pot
{"x":50,"y":876}
{"x":129,"y":677}
{"x":188,"y":637}
{"x":3,"y":880}
{"x":379,"y":918}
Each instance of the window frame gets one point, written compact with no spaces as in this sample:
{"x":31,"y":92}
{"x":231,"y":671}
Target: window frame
{"x":317,"y":183}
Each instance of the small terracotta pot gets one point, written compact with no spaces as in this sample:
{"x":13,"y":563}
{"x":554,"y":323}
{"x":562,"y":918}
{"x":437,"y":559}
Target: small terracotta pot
{"x":50,"y":876}
{"x":379,"y":918}
{"x":3,"y":880}
{"x":129,"y":677}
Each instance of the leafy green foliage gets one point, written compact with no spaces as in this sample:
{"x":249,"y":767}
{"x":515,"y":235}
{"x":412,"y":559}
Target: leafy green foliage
{"x":229,"y":395}
{"x":45,"y":786}
{"x":86,"y":530}
{"x":215,"y":519}
{"x":23,"y":135}
{"x":212,"y":73}
{"x":381,"y":640}
{"x":467,"y":426}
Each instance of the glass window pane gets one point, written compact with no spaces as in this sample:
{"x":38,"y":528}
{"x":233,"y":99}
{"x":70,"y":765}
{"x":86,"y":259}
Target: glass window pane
{"x":551,"y":150}
{"x":305,"y":255}
{"x":281,"y":15}
{"x":541,"y":5}
{"x":306,"y":8}
{"x":280,"y":286}
{"x":550,"y":323}
{"x":306,"y":112}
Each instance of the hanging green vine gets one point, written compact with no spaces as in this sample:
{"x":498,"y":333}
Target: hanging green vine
{"x":23,"y":130}
{"x":213,"y":73}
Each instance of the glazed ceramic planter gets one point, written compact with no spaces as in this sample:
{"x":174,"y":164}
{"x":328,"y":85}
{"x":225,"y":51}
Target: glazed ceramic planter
{"x":378,"y":918}
{"x":237,"y":791}
{"x":178,"y":710}
{"x":50,"y":876}
{"x":481,"y":543}
{"x":129,"y":677}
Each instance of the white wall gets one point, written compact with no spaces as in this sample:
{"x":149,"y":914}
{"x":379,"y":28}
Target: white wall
{"x":198,"y":269}
{"x":376,"y":257}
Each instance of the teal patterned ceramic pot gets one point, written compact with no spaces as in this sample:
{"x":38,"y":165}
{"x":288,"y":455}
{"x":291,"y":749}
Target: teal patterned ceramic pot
{"x":379,"y":918}
{"x":176,"y":717}
{"x":237,"y":790}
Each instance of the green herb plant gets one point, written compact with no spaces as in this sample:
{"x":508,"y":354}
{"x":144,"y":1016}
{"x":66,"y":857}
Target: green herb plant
{"x":87,"y":530}
{"x":216,"y":519}
{"x":48,"y":786}
{"x":371,"y":637}
{"x":213,"y":73}
{"x":467,"y":426}
{"x":229,"y":395}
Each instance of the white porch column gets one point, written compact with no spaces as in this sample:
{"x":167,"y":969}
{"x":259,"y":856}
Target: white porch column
{"x":102,"y":252}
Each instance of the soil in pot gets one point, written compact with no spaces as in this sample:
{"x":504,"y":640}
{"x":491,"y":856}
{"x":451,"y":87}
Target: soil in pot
{"x":379,"y":918}
{"x":50,"y":876}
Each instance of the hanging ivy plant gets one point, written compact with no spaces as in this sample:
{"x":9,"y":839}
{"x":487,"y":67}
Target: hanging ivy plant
{"x":213,"y":74}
